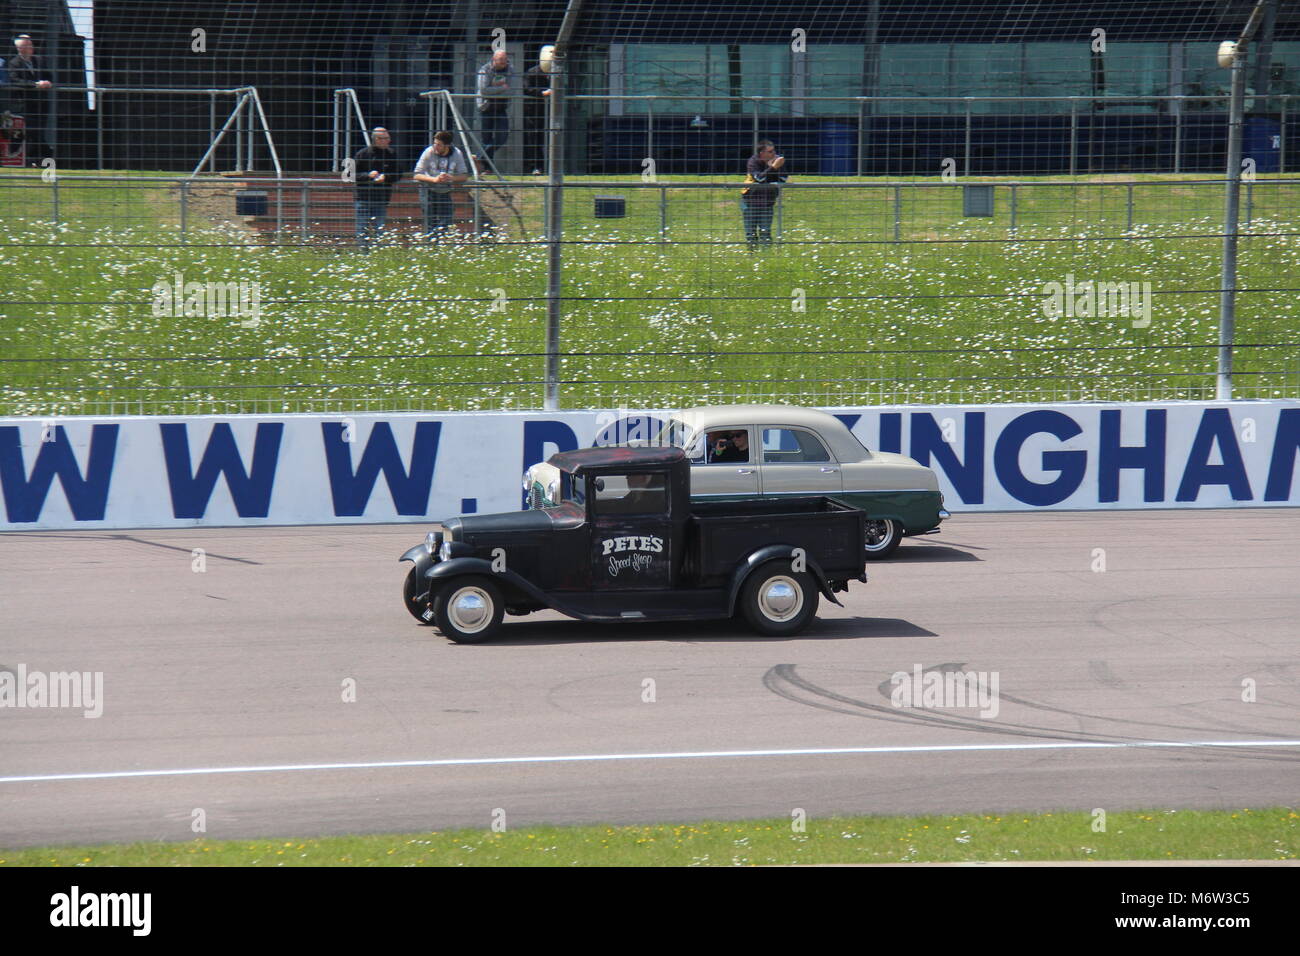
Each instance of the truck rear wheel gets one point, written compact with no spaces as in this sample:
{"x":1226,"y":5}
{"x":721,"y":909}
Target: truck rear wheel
{"x":777,"y":601}
{"x":468,"y":610}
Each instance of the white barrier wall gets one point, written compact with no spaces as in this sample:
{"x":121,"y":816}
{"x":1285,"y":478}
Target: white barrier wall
{"x":146,"y":472}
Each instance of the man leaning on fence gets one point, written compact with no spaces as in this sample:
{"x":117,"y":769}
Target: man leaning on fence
{"x":441,"y":167}
{"x":377,"y":172}
{"x":764,"y":173}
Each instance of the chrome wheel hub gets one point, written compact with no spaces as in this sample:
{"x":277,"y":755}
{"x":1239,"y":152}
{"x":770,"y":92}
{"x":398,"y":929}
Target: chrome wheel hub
{"x":780,"y":598}
{"x":470,"y":609}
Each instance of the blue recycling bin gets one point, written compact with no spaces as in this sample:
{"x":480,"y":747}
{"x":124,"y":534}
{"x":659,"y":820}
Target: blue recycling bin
{"x":838,"y":147}
{"x":1262,"y":142}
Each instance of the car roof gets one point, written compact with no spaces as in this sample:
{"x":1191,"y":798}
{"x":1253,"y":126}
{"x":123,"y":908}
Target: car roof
{"x":844,"y":444}
{"x":614,"y":456}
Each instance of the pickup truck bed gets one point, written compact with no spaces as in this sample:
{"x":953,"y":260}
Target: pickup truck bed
{"x":720,"y":534}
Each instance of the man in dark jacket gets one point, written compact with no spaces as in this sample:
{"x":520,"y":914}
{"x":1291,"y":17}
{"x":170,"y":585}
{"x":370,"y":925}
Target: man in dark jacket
{"x":28,"y":81}
{"x":377,"y":172}
{"x":764,"y":173}
{"x":495,"y":85}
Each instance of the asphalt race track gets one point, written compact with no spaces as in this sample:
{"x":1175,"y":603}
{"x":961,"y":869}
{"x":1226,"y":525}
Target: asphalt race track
{"x":236,"y":677}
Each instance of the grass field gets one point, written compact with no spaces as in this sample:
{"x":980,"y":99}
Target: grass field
{"x":837,"y":312}
{"x":1261,"y":834}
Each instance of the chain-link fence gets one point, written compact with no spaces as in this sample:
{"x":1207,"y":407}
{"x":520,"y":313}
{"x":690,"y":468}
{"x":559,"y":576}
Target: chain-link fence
{"x":188,"y":295}
{"x":981,"y":202}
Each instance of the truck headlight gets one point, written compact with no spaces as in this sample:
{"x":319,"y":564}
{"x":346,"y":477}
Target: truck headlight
{"x":553,"y":492}
{"x":431,"y":541}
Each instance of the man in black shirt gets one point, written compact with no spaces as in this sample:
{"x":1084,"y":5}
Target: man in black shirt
{"x":537,"y":89}
{"x":377,"y":171}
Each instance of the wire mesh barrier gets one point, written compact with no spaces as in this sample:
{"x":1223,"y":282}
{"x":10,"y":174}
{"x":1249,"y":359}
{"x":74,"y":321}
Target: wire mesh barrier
{"x":865,"y":293}
{"x":645,"y":203}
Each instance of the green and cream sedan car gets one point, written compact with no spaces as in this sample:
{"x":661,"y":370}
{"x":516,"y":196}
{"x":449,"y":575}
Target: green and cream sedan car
{"x":748,"y":451}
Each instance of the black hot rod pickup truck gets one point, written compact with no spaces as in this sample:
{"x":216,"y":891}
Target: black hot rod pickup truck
{"x":624,"y":542}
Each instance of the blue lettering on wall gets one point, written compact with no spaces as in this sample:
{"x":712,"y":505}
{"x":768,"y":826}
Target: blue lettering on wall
{"x":250,"y":489}
{"x":1112,"y":457}
{"x":1070,"y":464}
{"x":351,"y":491}
{"x":1286,"y":442}
{"x":967,"y":478}
{"x":891,"y":432}
{"x":87,"y":496}
{"x":1216,"y":427}
{"x":850,"y":421}
{"x":537,"y":435}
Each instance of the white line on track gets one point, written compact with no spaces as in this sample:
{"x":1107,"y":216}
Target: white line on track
{"x":687,"y":755}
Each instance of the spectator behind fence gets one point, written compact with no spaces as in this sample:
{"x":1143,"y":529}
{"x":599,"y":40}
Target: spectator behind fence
{"x":441,"y":166}
{"x":28,"y":80}
{"x":493,"y":101}
{"x":537,"y":89}
{"x":377,"y":172}
{"x":763,"y":174}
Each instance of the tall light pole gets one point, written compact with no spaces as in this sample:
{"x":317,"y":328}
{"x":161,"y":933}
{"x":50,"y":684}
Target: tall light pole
{"x":1232,"y":55}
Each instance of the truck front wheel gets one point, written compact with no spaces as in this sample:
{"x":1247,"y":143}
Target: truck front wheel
{"x":777,"y":601}
{"x":468,"y":610}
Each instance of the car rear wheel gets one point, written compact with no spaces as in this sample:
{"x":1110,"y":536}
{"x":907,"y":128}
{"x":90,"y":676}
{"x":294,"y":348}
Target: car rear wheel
{"x":468,"y":610}
{"x":883,"y":537}
{"x":777,"y":601}
{"x":410,"y":588}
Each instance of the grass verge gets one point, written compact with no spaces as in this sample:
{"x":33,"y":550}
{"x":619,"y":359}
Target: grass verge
{"x":1246,"y":834}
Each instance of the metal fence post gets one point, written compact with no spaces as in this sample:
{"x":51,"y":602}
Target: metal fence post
{"x":99,"y":127}
{"x":663,"y":214}
{"x":1128,"y":227}
{"x":754,"y":145}
{"x":1250,"y":201}
{"x":1013,"y":207}
{"x":650,"y":128}
{"x":1178,"y":139}
{"x":965,"y":169}
{"x":862,"y":133}
{"x":898,"y":213}
{"x":305,"y":199}
{"x":54,"y":192}
{"x":1281,"y":140}
{"x":212,"y":130}
{"x":1074,"y":135}
{"x":185,"y":196}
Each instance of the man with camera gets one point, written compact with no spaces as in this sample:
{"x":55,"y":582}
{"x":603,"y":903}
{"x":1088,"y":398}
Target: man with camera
{"x":725,"y":447}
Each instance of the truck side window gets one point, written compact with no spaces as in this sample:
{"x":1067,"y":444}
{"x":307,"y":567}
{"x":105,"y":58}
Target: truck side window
{"x":633,"y":494}
{"x":792,"y":446}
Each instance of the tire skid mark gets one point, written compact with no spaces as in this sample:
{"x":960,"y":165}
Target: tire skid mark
{"x":782,"y":678}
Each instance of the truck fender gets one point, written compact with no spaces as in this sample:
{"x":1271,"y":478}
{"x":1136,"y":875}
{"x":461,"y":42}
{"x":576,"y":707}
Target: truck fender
{"x":423,"y":560}
{"x":774,"y":552}
{"x":458,"y":567}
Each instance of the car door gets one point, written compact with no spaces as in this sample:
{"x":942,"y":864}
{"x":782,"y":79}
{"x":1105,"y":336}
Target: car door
{"x":631,"y":540}
{"x":796,"y":461}
{"x":722,"y":479}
